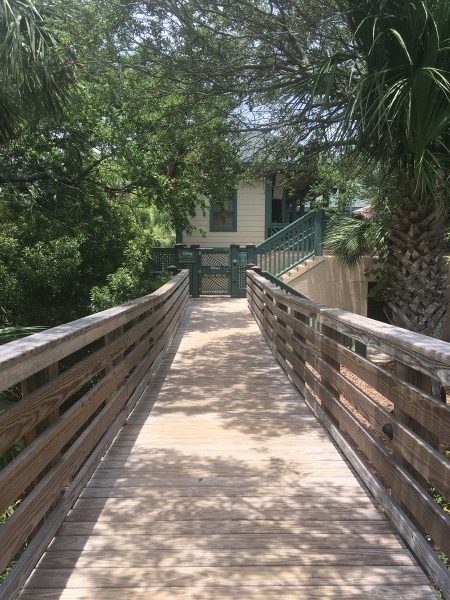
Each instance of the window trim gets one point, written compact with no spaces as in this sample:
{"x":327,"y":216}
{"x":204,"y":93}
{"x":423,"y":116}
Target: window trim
{"x":222,"y":228}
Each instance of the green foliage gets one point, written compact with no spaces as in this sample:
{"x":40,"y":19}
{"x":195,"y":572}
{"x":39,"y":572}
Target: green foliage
{"x":34,"y":70}
{"x":122,"y":285}
{"x":85,"y":194}
{"x":399,"y":111}
{"x":350,"y":239}
{"x":134,"y":277}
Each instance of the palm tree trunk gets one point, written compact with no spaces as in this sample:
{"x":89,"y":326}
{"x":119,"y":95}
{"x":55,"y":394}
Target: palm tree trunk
{"x":416,"y":269}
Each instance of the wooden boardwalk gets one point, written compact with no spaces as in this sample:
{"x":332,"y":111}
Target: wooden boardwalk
{"x":224,"y":485}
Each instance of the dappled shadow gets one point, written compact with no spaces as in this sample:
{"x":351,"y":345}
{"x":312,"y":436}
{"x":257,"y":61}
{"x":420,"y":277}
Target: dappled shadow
{"x":223,"y":485}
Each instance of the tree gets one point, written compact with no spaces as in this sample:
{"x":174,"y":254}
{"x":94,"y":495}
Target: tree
{"x":34,"y":78}
{"x":80,"y":190}
{"x":400,"y":117}
{"x":372,"y":75}
{"x":264,"y":57}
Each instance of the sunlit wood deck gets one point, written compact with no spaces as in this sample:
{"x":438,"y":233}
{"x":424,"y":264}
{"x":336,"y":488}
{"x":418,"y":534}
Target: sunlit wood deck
{"x":224,"y":485}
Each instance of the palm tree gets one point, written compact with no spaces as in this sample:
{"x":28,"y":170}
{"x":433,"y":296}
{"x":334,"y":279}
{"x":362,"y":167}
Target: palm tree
{"x":400,"y":116}
{"x":32,"y":78}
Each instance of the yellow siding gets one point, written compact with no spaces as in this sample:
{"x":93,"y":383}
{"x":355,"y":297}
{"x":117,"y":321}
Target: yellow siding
{"x":250,"y":221}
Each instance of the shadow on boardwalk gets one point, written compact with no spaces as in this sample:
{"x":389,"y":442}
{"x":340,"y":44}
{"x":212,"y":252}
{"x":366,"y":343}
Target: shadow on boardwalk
{"x":223,"y":485}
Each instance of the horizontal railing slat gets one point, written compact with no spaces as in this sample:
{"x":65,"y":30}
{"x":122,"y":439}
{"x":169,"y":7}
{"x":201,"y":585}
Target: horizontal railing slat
{"x":22,"y":358}
{"x":40,"y":474}
{"x":314,"y":343}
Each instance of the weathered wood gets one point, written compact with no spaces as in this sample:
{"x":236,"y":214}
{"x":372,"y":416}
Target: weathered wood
{"x":224,"y":557}
{"x":412,"y":495}
{"x":223,"y":479}
{"x":313,"y":360}
{"x":22,"y":358}
{"x":227,"y":576}
{"x":73,"y":437}
{"x":430,"y":463}
{"x":419,"y":405}
{"x":237,"y":592}
{"x":129,"y":541}
{"x":428,"y":355}
{"x":29,"y":464}
{"x":40,"y":542}
{"x":37,"y":405}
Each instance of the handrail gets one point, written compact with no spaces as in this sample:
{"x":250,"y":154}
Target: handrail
{"x":292,"y":245}
{"x":282,"y":285}
{"x":79,"y":382}
{"x":388,"y":409}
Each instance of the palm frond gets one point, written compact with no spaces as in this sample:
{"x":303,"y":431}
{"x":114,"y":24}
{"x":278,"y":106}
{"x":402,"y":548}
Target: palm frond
{"x":32,"y":77}
{"x":400,"y":107}
{"x":351,"y":239}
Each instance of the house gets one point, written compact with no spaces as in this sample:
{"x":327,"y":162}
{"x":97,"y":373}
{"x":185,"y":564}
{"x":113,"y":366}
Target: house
{"x":257,"y":211}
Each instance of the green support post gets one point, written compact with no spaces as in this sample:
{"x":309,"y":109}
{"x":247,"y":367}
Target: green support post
{"x":251,"y":254}
{"x":319,"y":232}
{"x":196,"y":271}
{"x":234,"y":259}
{"x":268,"y":192}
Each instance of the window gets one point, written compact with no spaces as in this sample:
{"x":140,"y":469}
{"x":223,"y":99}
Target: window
{"x":223,"y":215}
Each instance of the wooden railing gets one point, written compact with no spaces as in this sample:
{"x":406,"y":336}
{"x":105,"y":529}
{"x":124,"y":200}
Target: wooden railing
{"x":78,"y":382}
{"x":276,"y":227}
{"x":292,"y":245}
{"x":380,"y":419}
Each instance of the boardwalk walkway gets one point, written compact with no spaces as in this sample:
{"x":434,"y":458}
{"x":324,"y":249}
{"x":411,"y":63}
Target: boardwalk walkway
{"x":224,"y":485}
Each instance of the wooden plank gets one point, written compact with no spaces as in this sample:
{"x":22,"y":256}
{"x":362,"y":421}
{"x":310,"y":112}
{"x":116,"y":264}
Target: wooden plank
{"x":37,"y":545}
{"x":23,"y":358}
{"x":129,"y":542}
{"x":418,"y":404}
{"x":24,"y":521}
{"x":344,"y":592}
{"x":205,"y":528}
{"x":226,"y":576}
{"x":207,"y":557}
{"x":313,"y":513}
{"x":347,"y":494}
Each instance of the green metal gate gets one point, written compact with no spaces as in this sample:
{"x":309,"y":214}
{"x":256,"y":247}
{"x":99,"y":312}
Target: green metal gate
{"x":212,"y":271}
{"x":215,"y":271}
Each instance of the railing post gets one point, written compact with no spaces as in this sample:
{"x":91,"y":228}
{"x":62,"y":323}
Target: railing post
{"x":319,"y":222}
{"x":234,"y":256}
{"x":334,"y":364}
{"x":251,"y":254}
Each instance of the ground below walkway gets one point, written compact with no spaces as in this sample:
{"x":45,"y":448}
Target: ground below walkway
{"x":224,"y":485}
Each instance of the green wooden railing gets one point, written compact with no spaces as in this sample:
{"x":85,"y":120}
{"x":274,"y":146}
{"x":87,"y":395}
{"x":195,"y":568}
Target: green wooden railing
{"x":292,"y":245}
{"x":276,"y":228}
